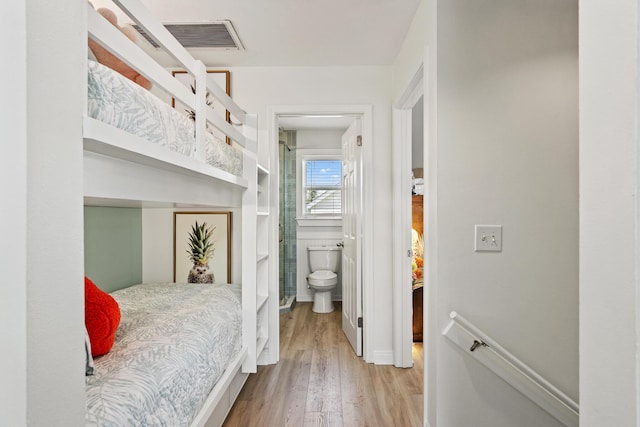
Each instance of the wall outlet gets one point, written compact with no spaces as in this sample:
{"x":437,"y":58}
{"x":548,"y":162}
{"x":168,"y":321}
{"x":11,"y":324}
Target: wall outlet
{"x":488,"y":238}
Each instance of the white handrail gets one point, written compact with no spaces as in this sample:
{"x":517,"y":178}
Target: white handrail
{"x":226,"y":100}
{"x":511,"y":369}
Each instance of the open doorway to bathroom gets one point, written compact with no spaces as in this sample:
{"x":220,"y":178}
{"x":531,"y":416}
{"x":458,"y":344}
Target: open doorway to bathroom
{"x":287,"y":218}
{"x":312,"y":135}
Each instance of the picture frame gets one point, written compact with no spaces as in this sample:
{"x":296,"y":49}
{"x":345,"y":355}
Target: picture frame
{"x":220,"y":262}
{"x":221,"y":77}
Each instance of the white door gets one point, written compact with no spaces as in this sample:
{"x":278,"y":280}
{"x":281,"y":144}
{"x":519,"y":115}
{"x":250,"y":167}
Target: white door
{"x":352,"y":235}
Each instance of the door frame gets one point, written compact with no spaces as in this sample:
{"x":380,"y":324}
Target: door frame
{"x":365,"y":111}
{"x":424,"y":81}
{"x":401,"y":158}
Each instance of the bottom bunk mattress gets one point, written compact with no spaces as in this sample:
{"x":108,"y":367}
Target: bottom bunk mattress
{"x":173,"y":344}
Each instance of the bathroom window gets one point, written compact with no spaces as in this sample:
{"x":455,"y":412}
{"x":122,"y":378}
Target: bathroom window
{"x":321,"y":186}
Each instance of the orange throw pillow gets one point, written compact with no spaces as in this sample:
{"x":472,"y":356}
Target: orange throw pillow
{"x":101,"y":316}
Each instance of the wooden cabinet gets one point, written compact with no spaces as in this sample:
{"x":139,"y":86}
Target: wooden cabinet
{"x":417,"y":314}
{"x":417,"y":221}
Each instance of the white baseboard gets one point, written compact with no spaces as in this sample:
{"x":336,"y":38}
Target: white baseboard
{"x":383,"y":357}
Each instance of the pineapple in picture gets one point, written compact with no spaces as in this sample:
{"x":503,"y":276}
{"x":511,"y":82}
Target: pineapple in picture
{"x":201,"y":248}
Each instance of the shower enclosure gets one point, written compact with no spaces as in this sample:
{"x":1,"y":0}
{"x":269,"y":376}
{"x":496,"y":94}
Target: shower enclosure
{"x":287,"y":219}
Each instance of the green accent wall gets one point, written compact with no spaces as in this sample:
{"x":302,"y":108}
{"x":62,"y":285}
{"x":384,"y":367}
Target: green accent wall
{"x":113,"y":246}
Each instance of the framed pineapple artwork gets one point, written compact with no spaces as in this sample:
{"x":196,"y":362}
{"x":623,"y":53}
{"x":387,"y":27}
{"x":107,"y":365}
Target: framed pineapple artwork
{"x":222,"y":79}
{"x":202,"y":247}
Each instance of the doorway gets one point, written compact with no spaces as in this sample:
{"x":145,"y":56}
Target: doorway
{"x":279,"y":115}
{"x":417,"y":218}
{"x":408,"y":161}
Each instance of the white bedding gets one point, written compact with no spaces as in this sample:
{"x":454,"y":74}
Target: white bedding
{"x":117,"y":101}
{"x":173,"y":344}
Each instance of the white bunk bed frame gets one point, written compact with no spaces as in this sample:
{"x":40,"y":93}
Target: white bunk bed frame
{"x":123,"y":170}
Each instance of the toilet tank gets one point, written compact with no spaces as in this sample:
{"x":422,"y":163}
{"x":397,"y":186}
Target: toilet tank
{"x":324,"y":258}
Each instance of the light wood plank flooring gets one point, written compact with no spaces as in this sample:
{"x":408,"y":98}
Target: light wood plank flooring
{"x":320,"y":382}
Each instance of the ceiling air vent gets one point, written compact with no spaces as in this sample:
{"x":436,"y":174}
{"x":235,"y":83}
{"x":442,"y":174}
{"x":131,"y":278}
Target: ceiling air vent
{"x":210,"y":35}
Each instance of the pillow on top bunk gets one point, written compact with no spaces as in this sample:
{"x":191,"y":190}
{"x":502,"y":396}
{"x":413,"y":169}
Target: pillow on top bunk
{"x":101,"y":317}
{"x":105,"y":57}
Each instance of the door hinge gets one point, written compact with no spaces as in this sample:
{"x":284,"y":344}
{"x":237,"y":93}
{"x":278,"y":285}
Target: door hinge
{"x":359,"y":322}
{"x":359,"y":140}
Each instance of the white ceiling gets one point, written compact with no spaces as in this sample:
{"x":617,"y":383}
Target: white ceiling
{"x":295,"y":32}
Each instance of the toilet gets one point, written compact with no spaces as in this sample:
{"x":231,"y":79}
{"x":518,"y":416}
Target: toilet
{"x":323,"y":262}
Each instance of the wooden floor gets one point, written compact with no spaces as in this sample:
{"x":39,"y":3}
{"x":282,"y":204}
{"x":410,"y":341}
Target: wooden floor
{"x":320,"y":382}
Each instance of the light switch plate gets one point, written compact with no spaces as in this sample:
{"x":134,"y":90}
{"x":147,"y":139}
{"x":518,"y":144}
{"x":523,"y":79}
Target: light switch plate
{"x":488,"y":238}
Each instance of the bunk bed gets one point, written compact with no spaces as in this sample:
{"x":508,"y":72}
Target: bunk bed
{"x":182,"y":165}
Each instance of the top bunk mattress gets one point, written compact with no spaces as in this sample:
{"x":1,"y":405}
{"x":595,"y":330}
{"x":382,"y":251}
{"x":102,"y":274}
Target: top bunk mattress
{"x":119,"y":102}
{"x":173,"y":344}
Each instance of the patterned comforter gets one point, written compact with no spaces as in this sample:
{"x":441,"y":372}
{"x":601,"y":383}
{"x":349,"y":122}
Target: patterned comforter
{"x":173,"y":344}
{"x":117,"y":101}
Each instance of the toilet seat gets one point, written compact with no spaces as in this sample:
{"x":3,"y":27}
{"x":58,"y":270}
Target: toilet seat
{"x":322,"y":278}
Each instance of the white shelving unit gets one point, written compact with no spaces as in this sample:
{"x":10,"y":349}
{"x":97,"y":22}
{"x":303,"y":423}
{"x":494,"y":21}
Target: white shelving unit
{"x":263,"y":260}
{"x":256,"y":218}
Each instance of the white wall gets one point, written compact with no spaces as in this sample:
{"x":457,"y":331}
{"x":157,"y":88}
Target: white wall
{"x":54,"y":235}
{"x":319,"y":138}
{"x":609,"y":251}
{"x":417,"y":135}
{"x":507,"y":154}
{"x":13,"y":227}
{"x":420,"y":38}
{"x":502,"y":138}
